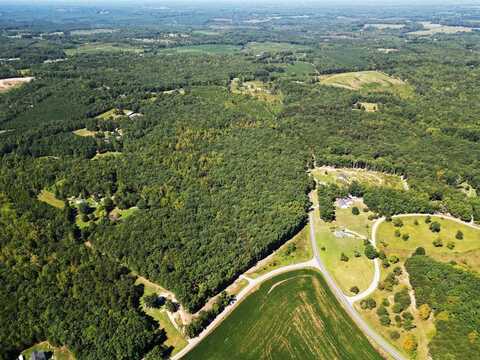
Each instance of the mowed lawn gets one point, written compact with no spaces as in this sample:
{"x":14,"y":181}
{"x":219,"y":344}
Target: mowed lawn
{"x":466,"y":252}
{"x":292,"y":316}
{"x":49,"y":198}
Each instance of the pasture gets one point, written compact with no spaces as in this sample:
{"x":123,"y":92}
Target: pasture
{"x":433,"y":29}
{"x":345,"y":176}
{"x":202,"y":49}
{"x":292,"y":316}
{"x":368,"y":81}
{"x":466,"y":252}
{"x":84,"y":133}
{"x":271,"y":47}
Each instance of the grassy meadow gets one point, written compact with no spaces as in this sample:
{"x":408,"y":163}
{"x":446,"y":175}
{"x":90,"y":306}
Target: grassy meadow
{"x":49,"y":198}
{"x":292,"y":316}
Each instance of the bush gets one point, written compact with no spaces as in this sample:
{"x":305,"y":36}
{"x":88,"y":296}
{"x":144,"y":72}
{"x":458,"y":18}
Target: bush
{"x":357,"y":254}
{"x":435,"y":227}
{"x":171,"y":306}
{"x":344,"y":257}
{"x":424,"y":311}
{"x":369,"y":303}
{"x":419,"y":251}
{"x":385,"y":302}
{"x":451,"y":245}
{"x":415,"y":222}
{"x":428,"y":219}
{"x":397,"y":271}
{"x":397,"y":233}
{"x":153,"y":301}
{"x":382,"y":311}
{"x":459,"y":235}
{"x":354,"y":290}
{"x":385,"y":263}
{"x":393,"y":259}
{"x":437,"y":242}
{"x":355,"y":211}
{"x":405,"y":237}
{"x":397,"y":222}
{"x":394,"y":335}
{"x":385,"y":320}
{"x":371,"y":252}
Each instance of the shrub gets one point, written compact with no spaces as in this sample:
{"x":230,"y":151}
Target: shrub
{"x":154,"y":301}
{"x":419,"y":251}
{"x":371,"y":252}
{"x":435,"y":227}
{"x":369,"y":303}
{"x":385,"y":320}
{"x":355,"y":211}
{"x":385,"y":263}
{"x":354,"y":290}
{"x":394,"y":335}
{"x":171,"y":306}
{"x":382,"y":311}
{"x":344,"y":257}
{"x":415,"y":222}
{"x":397,"y":271}
{"x":385,"y":302}
{"x":437,"y":242}
{"x":394,"y":259}
{"x":357,"y":254}
{"x":405,"y":237}
{"x":428,"y":219}
{"x":424,"y":311}
{"x":397,"y":233}
{"x":397,"y":222}
{"x":410,"y":343}
{"x":459,"y":235}
{"x":407,"y":315}
{"x":451,"y":245}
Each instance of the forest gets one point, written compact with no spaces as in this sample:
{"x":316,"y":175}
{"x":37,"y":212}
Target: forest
{"x":142,"y":120}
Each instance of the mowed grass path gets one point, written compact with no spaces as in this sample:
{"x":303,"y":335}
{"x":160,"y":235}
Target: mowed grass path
{"x":292,"y":316}
{"x":466,"y":252}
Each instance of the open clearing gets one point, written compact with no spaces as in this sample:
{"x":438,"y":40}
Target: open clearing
{"x":367,"y":81}
{"x":292,"y":316}
{"x":111,"y":154}
{"x":432,"y":29}
{"x":84,"y":133}
{"x":49,"y":198}
{"x":332,"y":241}
{"x":101,"y":47}
{"x":466,"y":252}
{"x":86,"y":32}
{"x":366,"y":106}
{"x":174,"y":338}
{"x":345,"y":176}
{"x":272,"y":47}
{"x":294,"y":251}
{"x":385,"y":26}
{"x":58,"y":353}
{"x":8,"y":84}
{"x":202,"y":49}
{"x":256,"y":89}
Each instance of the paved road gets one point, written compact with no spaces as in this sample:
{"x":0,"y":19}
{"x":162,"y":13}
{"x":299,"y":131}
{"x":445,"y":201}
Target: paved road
{"x":347,"y":305}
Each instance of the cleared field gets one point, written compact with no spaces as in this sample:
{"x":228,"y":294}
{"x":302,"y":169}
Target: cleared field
{"x":58,"y":353}
{"x":385,"y":26}
{"x":357,"y":223}
{"x":206,"y":32}
{"x":332,"y":242}
{"x":8,"y":84}
{"x":203,"y":49}
{"x":299,"y":69}
{"x":113,"y":114}
{"x":368,"y":107}
{"x":112,"y":154}
{"x":368,"y":81}
{"x":84,"y":133}
{"x":101,"y":47}
{"x":432,"y":29}
{"x":296,"y":250}
{"x":272,"y":47}
{"x":256,"y":89}
{"x":292,"y":316}
{"x":85,"y":32}
{"x":174,"y":338}
{"x":345,"y":176}
{"x":49,"y":198}
{"x":466,"y":252}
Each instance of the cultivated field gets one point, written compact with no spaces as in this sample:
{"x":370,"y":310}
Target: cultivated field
{"x":292,"y":316}
{"x":367,"y":81}
{"x":432,"y":29}
{"x":8,"y":84}
{"x":345,"y":176}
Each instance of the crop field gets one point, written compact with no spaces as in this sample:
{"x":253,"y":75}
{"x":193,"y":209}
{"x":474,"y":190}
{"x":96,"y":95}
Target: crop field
{"x":432,"y":29}
{"x":466,"y":252}
{"x":296,"y":250}
{"x":272,"y":47}
{"x":91,"y":48}
{"x":202,"y":49}
{"x":49,"y":198}
{"x":368,"y":81}
{"x":292,"y":316}
{"x":339,"y":176}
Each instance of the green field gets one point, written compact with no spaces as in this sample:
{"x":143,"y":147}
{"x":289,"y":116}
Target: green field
{"x":299,"y":69}
{"x":296,"y":250}
{"x":466,"y":252}
{"x":84,"y":133}
{"x":368,"y":81}
{"x":49,"y":198}
{"x":272,"y":47}
{"x":92,"y":48}
{"x":357,"y":223}
{"x":202,"y":49}
{"x":292,"y":316}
